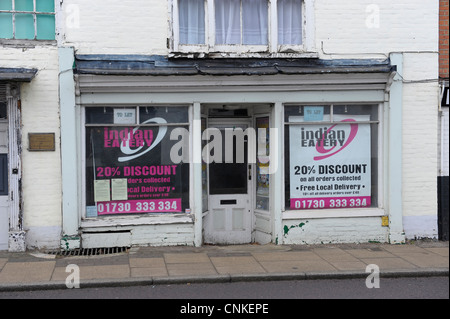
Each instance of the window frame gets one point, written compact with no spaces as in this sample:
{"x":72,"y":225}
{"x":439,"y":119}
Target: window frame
{"x":34,"y":13}
{"x":378,"y":209}
{"x":83,"y":162}
{"x":306,"y":49}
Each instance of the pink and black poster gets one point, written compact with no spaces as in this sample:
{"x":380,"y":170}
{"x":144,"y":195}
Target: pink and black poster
{"x":330,"y":163}
{"x":129,"y":169}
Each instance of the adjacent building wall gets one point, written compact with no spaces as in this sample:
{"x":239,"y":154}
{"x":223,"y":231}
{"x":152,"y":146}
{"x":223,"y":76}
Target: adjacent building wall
{"x":41,"y":171}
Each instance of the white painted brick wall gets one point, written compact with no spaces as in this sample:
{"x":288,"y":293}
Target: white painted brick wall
{"x":334,"y":231}
{"x":116,"y":26}
{"x":142,"y":27}
{"x":41,"y":171}
{"x":403,"y":26}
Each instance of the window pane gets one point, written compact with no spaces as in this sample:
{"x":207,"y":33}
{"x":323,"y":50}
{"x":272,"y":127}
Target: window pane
{"x":262,"y":167}
{"x":45,"y":25}
{"x":368,"y":110}
{"x":3,"y":174}
{"x":228,"y":22}
{"x":307,"y":113}
{"x":5,"y":5}
{"x":170,"y":114}
{"x":24,"y":26}
{"x":3,"y":112}
{"x":129,"y":170}
{"x":99,"y":115}
{"x":24,"y":5}
{"x":332,"y":165}
{"x":229,"y":178}
{"x":255,"y":21}
{"x":45,"y":5}
{"x":192,"y":21}
{"x":289,"y":21}
{"x":6,"y":26}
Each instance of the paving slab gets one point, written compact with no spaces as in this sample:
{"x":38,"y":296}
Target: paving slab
{"x":370,"y":253}
{"x":147,"y":262}
{"x":139,"y":272}
{"x":404,"y":249}
{"x":439,"y":250}
{"x":95,"y":272}
{"x":148,"y":267}
{"x":277,"y":256}
{"x":335,"y":255}
{"x":349,"y":265}
{"x":389,"y":263}
{"x":297,"y":266}
{"x":27,"y":272}
{"x":237,"y":265}
{"x":180,"y":258}
{"x":425,"y":260}
{"x":3,"y":262}
{"x":191,"y":269}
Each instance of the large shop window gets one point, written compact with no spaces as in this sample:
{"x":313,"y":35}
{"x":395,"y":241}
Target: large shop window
{"x":331,"y":156}
{"x":129,"y":166}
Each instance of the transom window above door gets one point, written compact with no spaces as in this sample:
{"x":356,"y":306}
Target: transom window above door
{"x":243,"y":27}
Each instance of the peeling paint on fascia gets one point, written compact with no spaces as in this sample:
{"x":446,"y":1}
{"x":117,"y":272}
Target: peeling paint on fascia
{"x":237,"y":54}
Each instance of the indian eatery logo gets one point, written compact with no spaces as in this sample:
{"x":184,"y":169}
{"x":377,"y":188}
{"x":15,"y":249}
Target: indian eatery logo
{"x":135,"y":142}
{"x":328,"y":141}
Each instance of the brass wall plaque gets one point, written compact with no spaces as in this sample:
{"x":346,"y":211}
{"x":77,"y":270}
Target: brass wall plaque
{"x":41,"y":141}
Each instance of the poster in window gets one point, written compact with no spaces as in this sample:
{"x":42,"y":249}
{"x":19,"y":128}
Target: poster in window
{"x":330,"y":163}
{"x":262,"y":161}
{"x":136,"y":161}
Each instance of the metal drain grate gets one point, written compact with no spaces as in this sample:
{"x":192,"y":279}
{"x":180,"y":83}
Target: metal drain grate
{"x":89,"y":251}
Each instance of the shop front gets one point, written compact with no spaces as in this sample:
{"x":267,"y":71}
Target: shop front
{"x":200,"y":151}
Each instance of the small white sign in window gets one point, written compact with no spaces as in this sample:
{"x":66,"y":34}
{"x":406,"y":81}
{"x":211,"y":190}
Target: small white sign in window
{"x":125,"y":116}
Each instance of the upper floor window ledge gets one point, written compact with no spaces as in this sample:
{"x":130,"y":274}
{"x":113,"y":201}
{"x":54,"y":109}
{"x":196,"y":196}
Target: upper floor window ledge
{"x":256,"y":28}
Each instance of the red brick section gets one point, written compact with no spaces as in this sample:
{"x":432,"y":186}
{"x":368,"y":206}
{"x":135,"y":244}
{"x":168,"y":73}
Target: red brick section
{"x":443,"y":39}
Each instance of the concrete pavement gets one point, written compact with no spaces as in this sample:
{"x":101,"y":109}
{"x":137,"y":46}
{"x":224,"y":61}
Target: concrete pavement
{"x":180,"y":265}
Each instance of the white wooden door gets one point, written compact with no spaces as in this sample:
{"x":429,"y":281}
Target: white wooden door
{"x":229,"y":220}
{"x":4,"y":190}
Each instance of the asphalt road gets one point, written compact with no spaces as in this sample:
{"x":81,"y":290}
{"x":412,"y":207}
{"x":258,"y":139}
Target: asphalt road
{"x":389,"y":288}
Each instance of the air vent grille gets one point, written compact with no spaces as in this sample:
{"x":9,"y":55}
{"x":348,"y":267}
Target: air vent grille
{"x":89,"y":251}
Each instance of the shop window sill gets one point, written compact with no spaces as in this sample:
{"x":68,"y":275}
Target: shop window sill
{"x":137,"y":220}
{"x":333,"y":213}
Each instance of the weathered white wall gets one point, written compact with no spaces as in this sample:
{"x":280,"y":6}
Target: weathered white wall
{"x":41,"y":171}
{"x":116,"y":26}
{"x":373,"y":29}
{"x":334,"y":231}
{"x":420,"y":145}
{"x":368,"y":27}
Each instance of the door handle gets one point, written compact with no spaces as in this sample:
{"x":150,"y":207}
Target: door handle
{"x":249,"y":172}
